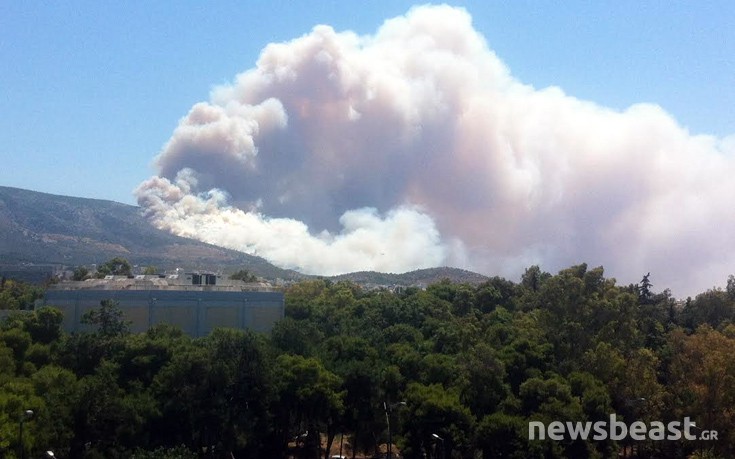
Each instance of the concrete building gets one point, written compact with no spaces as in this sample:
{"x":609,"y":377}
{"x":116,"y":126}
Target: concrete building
{"x":195,"y":302}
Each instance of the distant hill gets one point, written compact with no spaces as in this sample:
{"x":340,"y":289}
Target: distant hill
{"x":420,"y":277}
{"x":47,"y":229}
{"x":40,"y":228}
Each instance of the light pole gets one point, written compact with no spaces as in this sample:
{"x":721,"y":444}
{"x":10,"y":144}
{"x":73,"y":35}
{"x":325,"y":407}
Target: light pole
{"x":26,"y":414}
{"x":441,"y":440}
{"x":388,"y":407}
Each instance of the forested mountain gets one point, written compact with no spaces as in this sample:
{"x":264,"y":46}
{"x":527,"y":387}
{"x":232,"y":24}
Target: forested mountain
{"x":422,"y":277}
{"x":456,"y":371}
{"x":43,"y":228}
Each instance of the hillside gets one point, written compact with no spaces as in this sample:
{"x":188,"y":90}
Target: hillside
{"x":41,"y":228}
{"x":420,"y":277}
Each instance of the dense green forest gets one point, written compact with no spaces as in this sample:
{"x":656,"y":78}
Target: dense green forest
{"x":457,"y":370}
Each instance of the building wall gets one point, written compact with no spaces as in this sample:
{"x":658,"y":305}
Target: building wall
{"x":197,"y":313}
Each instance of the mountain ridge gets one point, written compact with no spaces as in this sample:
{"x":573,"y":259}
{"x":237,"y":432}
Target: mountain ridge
{"x":44,"y":228}
{"x":418,"y":277}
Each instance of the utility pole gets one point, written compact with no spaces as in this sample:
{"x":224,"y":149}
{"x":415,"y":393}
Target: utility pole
{"x":388,"y":407}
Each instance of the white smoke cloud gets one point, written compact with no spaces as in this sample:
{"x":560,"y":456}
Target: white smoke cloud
{"x":416,"y":147}
{"x":368,"y":241}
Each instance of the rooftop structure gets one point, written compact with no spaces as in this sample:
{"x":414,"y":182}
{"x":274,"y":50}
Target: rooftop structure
{"x":193,"y":281}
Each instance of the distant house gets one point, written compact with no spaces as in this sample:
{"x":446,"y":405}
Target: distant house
{"x":195,"y":302}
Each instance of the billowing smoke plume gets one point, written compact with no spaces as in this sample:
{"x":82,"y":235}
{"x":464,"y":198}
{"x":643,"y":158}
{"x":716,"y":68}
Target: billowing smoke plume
{"x":416,"y":147}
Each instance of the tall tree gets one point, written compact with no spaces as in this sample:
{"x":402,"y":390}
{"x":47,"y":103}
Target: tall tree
{"x":117,"y":266}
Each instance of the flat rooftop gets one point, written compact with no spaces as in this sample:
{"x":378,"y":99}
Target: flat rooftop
{"x":183,"y":282}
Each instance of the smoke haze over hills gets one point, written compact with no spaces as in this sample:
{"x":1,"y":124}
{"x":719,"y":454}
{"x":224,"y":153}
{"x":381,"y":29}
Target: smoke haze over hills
{"x":416,"y":147}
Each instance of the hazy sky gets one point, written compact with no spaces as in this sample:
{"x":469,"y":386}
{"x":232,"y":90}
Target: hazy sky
{"x":554,"y":164}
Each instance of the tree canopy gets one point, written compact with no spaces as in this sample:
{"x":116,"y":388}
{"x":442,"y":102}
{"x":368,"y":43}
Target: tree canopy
{"x":454,"y":369}
{"x":117,"y":266}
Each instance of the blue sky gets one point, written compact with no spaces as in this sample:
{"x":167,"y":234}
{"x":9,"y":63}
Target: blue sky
{"x":91,"y":91}
{"x":407,"y":148}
